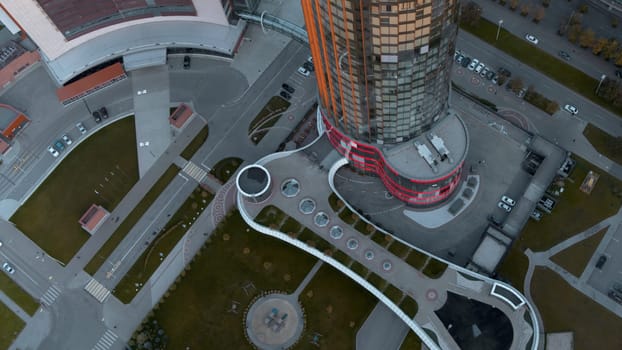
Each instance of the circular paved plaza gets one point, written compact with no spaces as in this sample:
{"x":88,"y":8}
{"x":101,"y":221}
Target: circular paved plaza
{"x":274,"y":321}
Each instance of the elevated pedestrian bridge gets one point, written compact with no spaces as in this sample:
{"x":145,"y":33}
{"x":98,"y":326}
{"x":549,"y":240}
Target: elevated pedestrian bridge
{"x":277,"y":24}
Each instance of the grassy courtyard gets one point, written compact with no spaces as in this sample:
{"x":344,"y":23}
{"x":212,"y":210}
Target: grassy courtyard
{"x":195,"y":314}
{"x":605,"y":144}
{"x":117,"y":236}
{"x":10,"y":326}
{"x":225,"y":168}
{"x":267,"y":118}
{"x":575,"y":258}
{"x":575,"y":212}
{"x":161,"y":245}
{"x":107,"y":163}
{"x":564,"y":309}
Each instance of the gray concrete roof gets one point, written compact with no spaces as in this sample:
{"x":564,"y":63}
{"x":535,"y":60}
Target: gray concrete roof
{"x":406,"y":160}
{"x":141,"y":37}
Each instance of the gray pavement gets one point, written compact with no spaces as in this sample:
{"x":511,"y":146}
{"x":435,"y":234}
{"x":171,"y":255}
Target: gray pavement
{"x":381,"y":330}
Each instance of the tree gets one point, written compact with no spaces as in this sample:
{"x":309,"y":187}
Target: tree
{"x":586,"y":38}
{"x":513,"y":5}
{"x":573,"y":33}
{"x":538,"y":14}
{"x":551,"y":107}
{"x":524,"y":9}
{"x":609,"y":89}
{"x":618,"y":59}
{"x":599,"y":45}
{"x":614,"y":22}
{"x":610,"y":50}
{"x":546,"y":3}
{"x":577,"y":18}
{"x":583,"y":8}
{"x":471,"y":13}
{"x":515,"y":84}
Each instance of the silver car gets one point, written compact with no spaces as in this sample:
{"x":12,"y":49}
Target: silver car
{"x":504,"y":206}
{"x":8,"y":268}
{"x":509,"y":201}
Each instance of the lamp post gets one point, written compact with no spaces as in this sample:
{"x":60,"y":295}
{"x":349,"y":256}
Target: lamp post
{"x":499,"y":29}
{"x":602,"y":78}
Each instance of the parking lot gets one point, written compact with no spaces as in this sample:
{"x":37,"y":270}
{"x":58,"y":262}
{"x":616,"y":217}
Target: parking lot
{"x":604,"y":278}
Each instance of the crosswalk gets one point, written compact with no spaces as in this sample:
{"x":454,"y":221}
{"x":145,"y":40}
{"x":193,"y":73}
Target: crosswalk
{"x":194,"y":171}
{"x":50,"y":295}
{"x":97,"y":290}
{"x":106,"y":340}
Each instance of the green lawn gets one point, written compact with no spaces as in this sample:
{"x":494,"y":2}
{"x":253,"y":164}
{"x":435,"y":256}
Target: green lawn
{"x":575,"y":258}
{"x":381,"y":239}
{"x":364,"y":227}
{"x":434,"y":268}
{"x":575,"y":212}
{"x":18,"y":295}
{"x":117,"y":236}
{"x":267,"y":118}
{"x":336,"y":308}
{"x":107,"y":163}
{"x":10,"y":326}
{"x":411,"y":342}
{"x":607,"y":145}
{"x":335,"y":202}
{"x":196,"y":143}
{"x":393,"y":293}
{"x":399,"y":249}
{"x":347,"y":216}
{"x":377,"y":281}
{"x":174,"y":230}
{"x":565,"y":309}
{"x":527,"y":53}
{"x":409,"y":306}
{"x":416,"y":259}
{"x":195,"y":314}
{"x":225,"y":168}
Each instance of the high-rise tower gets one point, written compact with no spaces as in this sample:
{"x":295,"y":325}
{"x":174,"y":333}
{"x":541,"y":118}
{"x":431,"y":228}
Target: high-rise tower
{"x":383,"y":75}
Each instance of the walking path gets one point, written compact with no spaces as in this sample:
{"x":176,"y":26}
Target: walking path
{"x":307,"y":279}
{"x":14,"y":307}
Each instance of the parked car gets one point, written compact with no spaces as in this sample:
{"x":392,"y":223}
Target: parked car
{"x":490,"y":75}
{"x":504,"y":206}
{"x":308,"y":66}
{"x":59,"y":145}
{"x":186,"y":62}
{"x":479,"y":68}
{"x":504,"y":72}
{"x":285,"y":95}
{"x":67,"y":139}
{"x":465,"y":62}
{"x":459,"y":59}
{"x":601,"y":262}
{"x":8,"y":268}
{"x":104,"y":112}
{"x":536,"y":215}
{"x":303,"y":71}
{"x":521,"y":93}
{"x":571,"y":109}
{"x":619,"y":73}
{"x":457,"y":54}
{"x":474,"y":63}
{"x":310,"y":59}
{"x":81,"y":127}
{"x":288,"y":88}
{"x":53,"y":152}
{"x":97,"y":117}
{"x":532,"y":39}
{"x":509,"y":201}
{"x":564,"y":55}
{"x":0,"y":243}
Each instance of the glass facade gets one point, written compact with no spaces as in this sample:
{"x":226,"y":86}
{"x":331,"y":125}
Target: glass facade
{"x":382,"y":66}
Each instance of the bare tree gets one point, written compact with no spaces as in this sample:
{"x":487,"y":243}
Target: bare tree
{"x":471,"y":13}
{"x":513,"y":5}
{"x":609,"y":89}
{"x":573,"y":32}
{"x":577,"y":18}
{"x":610,"y":50}
{"x":524,"y":9}
{"x":515,"y":84}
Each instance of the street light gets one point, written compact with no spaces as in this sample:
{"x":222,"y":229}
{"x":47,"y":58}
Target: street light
{"x":499,"y":29}
{"x":602,"y":78}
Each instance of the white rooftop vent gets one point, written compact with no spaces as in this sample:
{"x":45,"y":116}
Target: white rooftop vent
{"x":424,"y":152}
{"x":439,"y":145}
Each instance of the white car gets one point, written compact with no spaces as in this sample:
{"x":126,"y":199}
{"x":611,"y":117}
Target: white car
{"x":509,"y":201}
{"x":504,"y":206}
{"x":8,"y":268}
{"x":0,"y":243}
{"x":479,"y":67}
{"x":310,"y":59}
{"x":473,"y":64}
{"x":53,"y":151}
{"x":532,"y":39}
{"x":303,"y":71}
{"x":67,"y":139}
{"x":571,"y":109}
{"x":81,"y":127}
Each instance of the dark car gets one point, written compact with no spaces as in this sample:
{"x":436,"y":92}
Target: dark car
{"x":465,"y":62}
{"x":285,"y":95}
{"x":505,"y":72}
{"x":619,"y":73}
{"x":288,"y":88}
{"x":564,"y":55}
{"x":104,"y":112}
{"x":97,"y":117}
{"x":490,"y":75}
{"x":186,"y":62}
{"x":308,"y":66}
{"x":601,"y":262}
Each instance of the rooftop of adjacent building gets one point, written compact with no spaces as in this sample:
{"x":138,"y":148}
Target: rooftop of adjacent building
{"x":433,"y":154}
